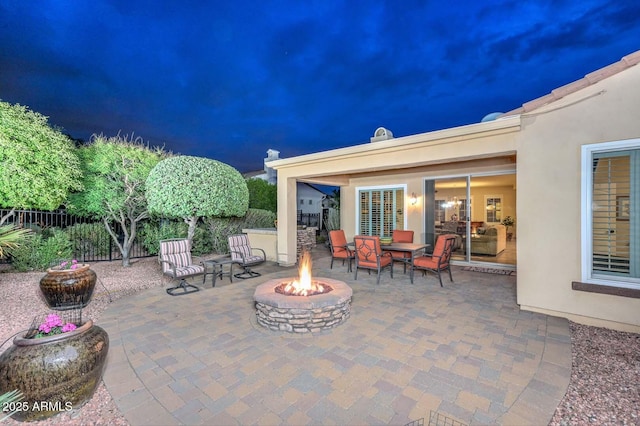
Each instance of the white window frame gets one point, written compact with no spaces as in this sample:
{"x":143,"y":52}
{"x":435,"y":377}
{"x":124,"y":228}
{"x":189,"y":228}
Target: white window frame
{"x":587,"y":152}
{"x":494,"y":196}
{"x":402,"y":186}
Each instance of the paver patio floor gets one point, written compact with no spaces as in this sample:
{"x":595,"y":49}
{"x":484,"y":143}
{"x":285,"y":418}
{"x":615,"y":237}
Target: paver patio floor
{"x":465,"y":351}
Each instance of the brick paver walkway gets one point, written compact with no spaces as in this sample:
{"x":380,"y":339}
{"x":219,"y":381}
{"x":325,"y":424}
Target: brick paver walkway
{"x":464,"y":351}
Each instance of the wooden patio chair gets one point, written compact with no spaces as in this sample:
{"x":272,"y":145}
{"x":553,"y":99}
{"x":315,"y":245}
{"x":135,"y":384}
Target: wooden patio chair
{"x":175,"y":258}
{"x":401,"y":236}
{"x":246,"y":256}
{"x":339,"y":248}
{"x":439,"y":260}
{"x":369,"y":255}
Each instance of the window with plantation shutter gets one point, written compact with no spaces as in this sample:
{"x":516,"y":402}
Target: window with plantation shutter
{"x":380,"y":211}
{"x":612,"y":192}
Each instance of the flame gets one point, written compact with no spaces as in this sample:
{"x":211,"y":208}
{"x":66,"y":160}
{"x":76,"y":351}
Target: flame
{"x":304,"y":285}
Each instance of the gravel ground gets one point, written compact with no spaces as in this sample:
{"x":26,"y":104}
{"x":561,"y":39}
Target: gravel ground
{"x":605,"y":378}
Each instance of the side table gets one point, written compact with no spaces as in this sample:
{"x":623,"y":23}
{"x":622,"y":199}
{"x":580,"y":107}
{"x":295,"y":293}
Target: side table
{"x":216,"y":267}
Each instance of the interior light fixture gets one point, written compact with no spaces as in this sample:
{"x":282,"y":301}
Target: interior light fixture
{"x":453,"y":202}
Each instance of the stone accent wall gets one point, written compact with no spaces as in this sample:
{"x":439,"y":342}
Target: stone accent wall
{"x":302,"y":320}
{"x":306,"y":240}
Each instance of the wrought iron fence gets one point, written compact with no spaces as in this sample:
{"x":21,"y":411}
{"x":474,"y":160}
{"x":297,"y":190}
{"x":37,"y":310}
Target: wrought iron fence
{"x":309,"y":219}
{"x":90,"y":239}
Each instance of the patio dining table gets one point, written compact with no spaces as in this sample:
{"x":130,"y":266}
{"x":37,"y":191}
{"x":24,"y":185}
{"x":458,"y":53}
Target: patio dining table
{"x":413,"y":248}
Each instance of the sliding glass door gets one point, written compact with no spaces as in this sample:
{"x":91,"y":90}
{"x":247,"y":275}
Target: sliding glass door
{"x":480,"y":210}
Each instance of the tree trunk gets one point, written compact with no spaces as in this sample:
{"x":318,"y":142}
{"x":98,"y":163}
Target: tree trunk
{"x":192,"y":222}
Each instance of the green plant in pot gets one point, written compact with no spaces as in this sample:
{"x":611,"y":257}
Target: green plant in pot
{"x":508,"y":222}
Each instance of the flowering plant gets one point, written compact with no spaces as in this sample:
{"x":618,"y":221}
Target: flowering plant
{"x":53,"y":325}
{"x":68,"y":264}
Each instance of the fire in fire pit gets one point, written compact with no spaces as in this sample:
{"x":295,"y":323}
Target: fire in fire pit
{"x":303,"y":285}
{"x":302,"y":305}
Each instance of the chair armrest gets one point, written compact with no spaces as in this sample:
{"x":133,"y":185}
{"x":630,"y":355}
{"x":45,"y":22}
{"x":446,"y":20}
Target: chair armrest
{"x":348,"y":248}
{"x":171,"y":265}
{"x":264,"y":255}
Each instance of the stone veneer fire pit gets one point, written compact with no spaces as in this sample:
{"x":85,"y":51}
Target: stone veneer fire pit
{"x":302,"y":314}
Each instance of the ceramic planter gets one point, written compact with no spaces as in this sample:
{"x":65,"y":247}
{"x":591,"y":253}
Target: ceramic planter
{"x":55,"y":373}
{"x":68,"y":288}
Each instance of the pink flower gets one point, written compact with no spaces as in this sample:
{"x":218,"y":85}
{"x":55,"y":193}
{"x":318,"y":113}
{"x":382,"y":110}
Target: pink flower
{"x":68,"y":327}
{"x":53,"y":325}
{"x":53,"y":320}
{"x":44,"y":327}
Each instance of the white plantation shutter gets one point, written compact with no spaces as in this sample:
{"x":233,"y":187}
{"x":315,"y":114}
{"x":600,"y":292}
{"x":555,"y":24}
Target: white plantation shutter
{"x":380,"y":210}
{"x":614,"y":222}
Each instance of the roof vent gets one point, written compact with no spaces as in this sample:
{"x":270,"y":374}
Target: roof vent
{"x":491,"y":117}
{"x":381,"y":134}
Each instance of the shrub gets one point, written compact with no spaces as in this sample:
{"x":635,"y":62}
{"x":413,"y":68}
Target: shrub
{"x":43,"y":250}
{"x":202,"y":241}
{"x":221,"y":228}
{"x":89,"y":240}
{"x":262,"y":195}
{"x":154,"y":231}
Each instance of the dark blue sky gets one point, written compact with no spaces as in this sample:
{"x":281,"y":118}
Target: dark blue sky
{"x":230,"y":79}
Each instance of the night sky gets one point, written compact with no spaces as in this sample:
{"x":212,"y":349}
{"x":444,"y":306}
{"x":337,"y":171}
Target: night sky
{"x":230,"y":79}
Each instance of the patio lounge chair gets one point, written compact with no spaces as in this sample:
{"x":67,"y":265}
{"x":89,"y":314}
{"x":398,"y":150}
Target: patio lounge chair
{"x":339,"y":248}
{"x":176,"y":262}
{"x":369,"y":255}
{"x":439,"y":260}
{"x":244,"y":255}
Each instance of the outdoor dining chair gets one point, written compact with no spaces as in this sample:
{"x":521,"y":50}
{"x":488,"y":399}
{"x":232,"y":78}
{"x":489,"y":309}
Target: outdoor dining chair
{"x":401,"y":236}
{"x":439,"y":260}
{"x":246,"y":256}
{"x":339,"y":248}
{"x":175,"y":258}
{"x":369,"y":255}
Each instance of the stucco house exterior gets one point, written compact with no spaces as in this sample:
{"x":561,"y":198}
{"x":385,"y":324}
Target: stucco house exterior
{"x":565,"y":166}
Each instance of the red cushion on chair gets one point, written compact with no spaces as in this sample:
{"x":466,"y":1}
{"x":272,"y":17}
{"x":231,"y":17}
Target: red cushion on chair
{"x":338,"y":244}
{"x":401,"y":236}
{"x":425,"y":262}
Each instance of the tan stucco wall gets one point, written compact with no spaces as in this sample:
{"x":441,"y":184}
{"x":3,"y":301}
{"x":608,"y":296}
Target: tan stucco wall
{"x":368,"y":164}
{"x":549,"y":203}
{"x":265,"y":239}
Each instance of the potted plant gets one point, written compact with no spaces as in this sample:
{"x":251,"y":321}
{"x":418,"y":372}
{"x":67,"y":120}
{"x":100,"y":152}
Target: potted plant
{"x":68,"y":285}
{"x":508,"y":223}
{"x":57,"y":364}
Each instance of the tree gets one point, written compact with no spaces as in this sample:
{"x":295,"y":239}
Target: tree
{"x":115,"y":170}
{"x":193,"y":187}
{"x":38,"y":164}
{"x":262,"y":195}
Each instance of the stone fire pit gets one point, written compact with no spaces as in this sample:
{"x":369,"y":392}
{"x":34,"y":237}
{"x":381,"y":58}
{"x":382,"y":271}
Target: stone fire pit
{"x":302,"y":314}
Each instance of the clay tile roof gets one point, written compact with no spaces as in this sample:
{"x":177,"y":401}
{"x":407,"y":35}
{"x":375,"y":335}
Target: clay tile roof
{"x":591,"y":78}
